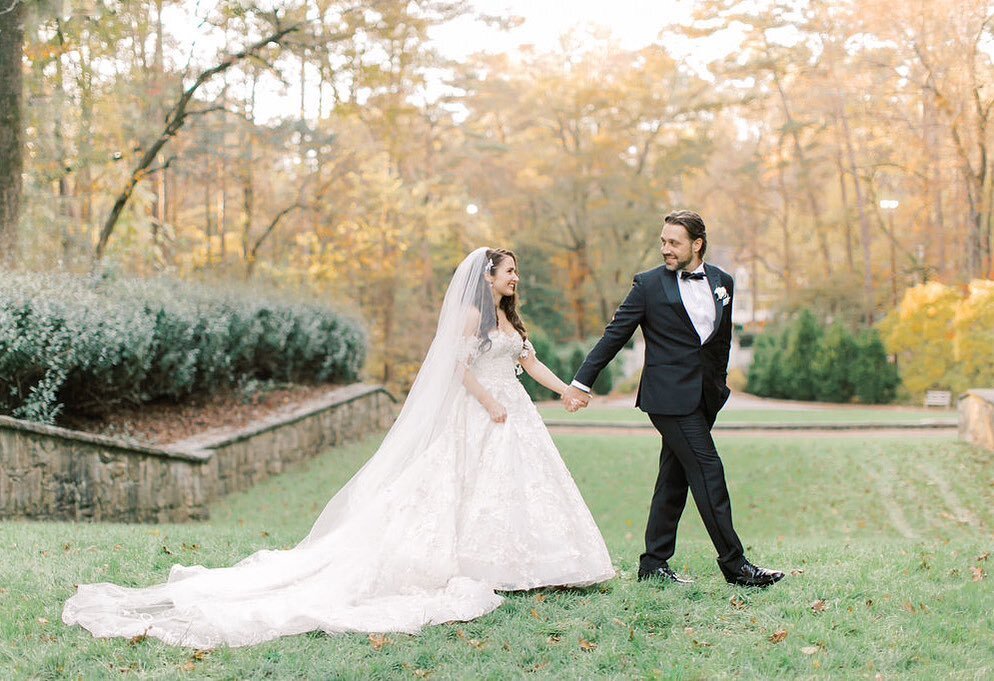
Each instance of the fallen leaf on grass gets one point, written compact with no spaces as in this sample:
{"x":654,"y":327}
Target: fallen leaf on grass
{"x":135,"y":640}
{"x":978,"y":573}
{"x":201,"y":654}
{"x":377,"y":641}
{"x":809,"y":650}
{"x":534,"y":613}
{"x":587,"y":645}
{"x":818,"y":606}
{"x":165,"y":550}
{"x":540,"y":598}
{"x":984,"y":556}
{"x":778,"y":636}
{"x":189,"y":667}
{"x":553,"y":640}
{"x":737,"y":602}
{"x":795,"y":573}
{"x":701,"y":644}
{"x":422,"y":673}
{"x":42,"y":620}
{"x":909,"y":606}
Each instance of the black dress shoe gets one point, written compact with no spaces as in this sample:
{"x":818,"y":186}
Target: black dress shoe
{"x":750,"y":575}
{"x":663,"y":573}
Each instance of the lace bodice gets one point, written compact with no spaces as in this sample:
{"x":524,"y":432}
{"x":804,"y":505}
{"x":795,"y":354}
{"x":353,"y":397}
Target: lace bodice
{"x":499,"y":362}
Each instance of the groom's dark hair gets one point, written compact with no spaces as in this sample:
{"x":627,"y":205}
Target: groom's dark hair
{"x":692,"y":222}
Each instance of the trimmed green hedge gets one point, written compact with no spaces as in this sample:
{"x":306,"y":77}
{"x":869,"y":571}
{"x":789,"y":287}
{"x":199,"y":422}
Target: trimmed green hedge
{"x":806,"y":361}
{"x":86,"y":345}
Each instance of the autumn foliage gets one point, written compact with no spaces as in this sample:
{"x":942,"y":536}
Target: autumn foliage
{"x":943,"y":336}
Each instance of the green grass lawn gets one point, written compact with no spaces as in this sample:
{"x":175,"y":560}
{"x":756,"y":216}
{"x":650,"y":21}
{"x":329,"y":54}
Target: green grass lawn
{"x":596,"y":414}
{"x":885,"y":538}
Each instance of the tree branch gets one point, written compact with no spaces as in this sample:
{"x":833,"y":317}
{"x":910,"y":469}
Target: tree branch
{"x":174,"y":121}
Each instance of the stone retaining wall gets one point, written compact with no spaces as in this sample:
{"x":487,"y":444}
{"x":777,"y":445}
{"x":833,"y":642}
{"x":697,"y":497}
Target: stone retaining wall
{"x":976,"y":418}
{"x":58,"y":474}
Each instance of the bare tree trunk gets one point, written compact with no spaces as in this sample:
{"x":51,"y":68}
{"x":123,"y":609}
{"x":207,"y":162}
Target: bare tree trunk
{"x":208,"y":230}
{"x":935,"y":233}
{"x":248,"y":180}
{"x":158,"y":85}
{"x":66,"y":209}
{"x":222,"y":207}
{"x":84,"y":183}
{"x":788,"y":265}
{"x":846,"y":222}
{"x":864,"y":220}
{"x":11,"y":127}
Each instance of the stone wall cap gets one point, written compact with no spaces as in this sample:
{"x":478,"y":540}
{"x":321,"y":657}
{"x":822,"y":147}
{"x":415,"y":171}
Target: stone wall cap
{"x":220,"y":437}
{"x":983,"y":393}
{"x":122,"y":444}
{"x":199,"y":448}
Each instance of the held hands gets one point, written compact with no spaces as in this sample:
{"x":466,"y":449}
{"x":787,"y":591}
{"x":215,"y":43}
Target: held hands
{"x":575,"y":399}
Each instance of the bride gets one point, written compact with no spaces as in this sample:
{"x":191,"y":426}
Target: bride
{"x":466,"y":496}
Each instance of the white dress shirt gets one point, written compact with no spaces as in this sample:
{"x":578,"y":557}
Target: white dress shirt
{"x":699,"y":302}
{"x":696,"y":295}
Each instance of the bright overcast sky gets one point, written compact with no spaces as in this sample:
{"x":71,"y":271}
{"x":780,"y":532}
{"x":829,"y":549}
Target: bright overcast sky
{"x":633,"y":23}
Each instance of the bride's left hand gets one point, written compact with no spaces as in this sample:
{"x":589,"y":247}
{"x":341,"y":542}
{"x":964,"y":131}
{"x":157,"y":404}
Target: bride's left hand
{"x":498,"y":414}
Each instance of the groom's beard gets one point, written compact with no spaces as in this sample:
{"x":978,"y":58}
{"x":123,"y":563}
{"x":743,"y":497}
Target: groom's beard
{"x":677,"y":264}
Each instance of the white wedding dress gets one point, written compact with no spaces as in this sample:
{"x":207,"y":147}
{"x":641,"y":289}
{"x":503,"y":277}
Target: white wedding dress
{"x":441,"y":517}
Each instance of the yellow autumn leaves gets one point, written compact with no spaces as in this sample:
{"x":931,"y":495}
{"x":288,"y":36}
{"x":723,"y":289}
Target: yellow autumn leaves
{"x":943,"y":336}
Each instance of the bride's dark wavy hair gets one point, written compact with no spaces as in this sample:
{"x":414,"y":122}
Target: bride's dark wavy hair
{"x":509,"y":304}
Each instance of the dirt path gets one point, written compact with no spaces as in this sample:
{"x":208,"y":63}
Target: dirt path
{"x":761,"y":432}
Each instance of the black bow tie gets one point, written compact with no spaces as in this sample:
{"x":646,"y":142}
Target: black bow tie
{"x":691,"y":275}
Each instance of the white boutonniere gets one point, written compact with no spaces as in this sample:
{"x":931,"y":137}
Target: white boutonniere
{"x":721,"y":294}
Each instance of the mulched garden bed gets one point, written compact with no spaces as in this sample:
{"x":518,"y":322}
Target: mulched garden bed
{"x":164,"y":422}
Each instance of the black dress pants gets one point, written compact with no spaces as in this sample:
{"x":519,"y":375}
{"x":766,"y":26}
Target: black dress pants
{"x":689,"y":460}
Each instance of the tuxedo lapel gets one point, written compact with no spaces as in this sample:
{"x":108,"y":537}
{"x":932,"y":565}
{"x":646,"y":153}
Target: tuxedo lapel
{"x":671,"y":289}
{"x":714,"y":281}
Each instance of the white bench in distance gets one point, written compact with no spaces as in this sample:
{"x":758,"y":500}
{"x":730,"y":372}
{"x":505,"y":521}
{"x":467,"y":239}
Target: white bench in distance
{"x":938,"y":398}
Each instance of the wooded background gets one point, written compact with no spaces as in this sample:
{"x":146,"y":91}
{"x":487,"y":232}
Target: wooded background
{"x":839,"y":154}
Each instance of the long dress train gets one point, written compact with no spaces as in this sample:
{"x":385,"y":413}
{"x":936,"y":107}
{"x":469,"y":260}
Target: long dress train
{"x":421,"y":536}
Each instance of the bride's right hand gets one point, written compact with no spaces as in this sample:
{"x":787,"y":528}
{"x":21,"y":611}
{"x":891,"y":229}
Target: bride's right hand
{"x":497,"y":412}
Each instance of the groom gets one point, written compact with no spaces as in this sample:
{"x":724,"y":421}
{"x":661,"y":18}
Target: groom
{"x":685,"y":310}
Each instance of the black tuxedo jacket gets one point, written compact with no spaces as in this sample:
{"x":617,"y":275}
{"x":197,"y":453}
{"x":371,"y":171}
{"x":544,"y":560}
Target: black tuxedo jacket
{"x":679,"y":369}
